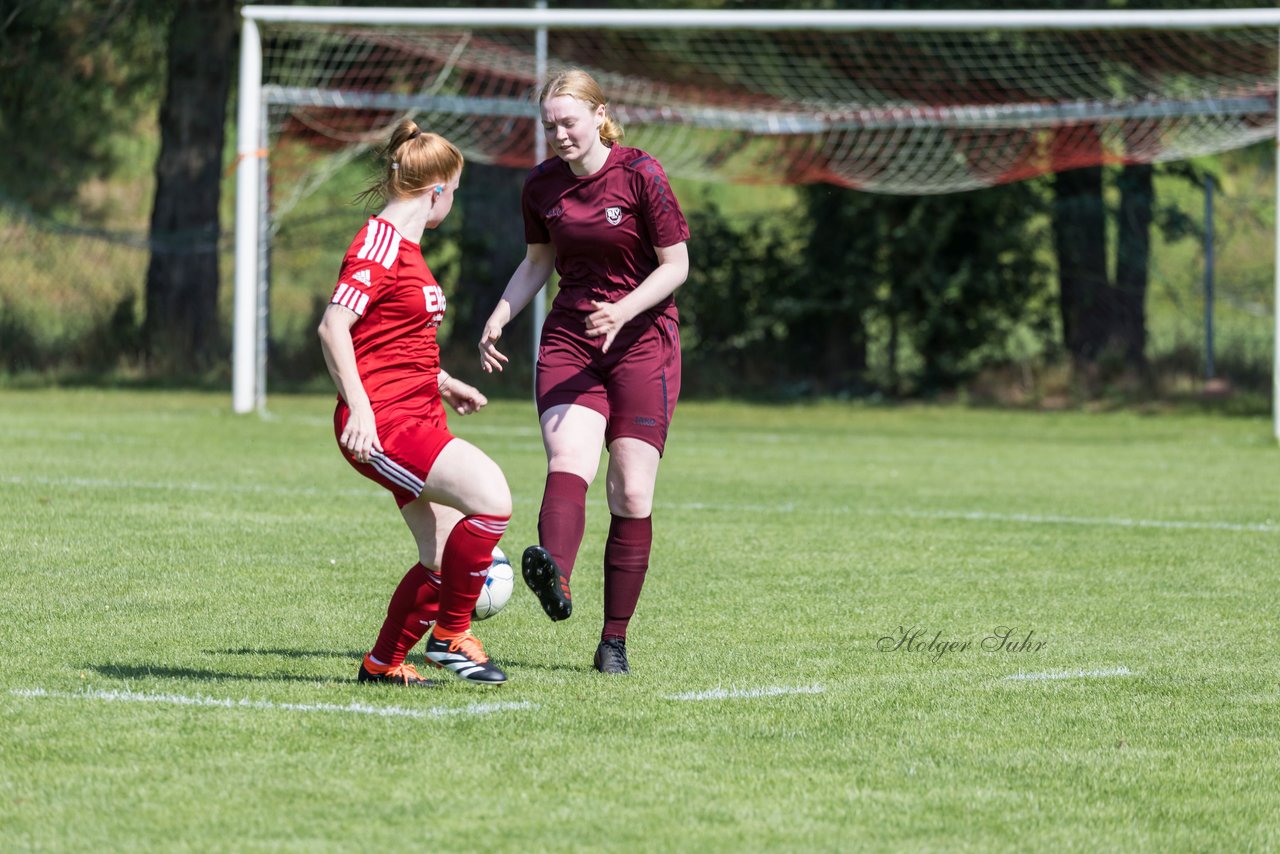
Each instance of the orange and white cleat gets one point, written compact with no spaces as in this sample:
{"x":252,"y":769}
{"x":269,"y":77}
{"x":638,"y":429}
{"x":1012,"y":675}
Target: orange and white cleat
{"x":391,"y":674}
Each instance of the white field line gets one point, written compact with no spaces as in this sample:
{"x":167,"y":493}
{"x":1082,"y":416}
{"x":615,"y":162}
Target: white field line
{"x":746,"y":693}
{"x":214,"y":702}
{"x":695,"y":506}
{"x":731,"y":507}
{"x":1070,"y":674}
{"x":1053,"y":519}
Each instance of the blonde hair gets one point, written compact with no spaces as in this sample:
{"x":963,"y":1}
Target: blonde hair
{"x":413,"y":160}
{"x":579,"y":84}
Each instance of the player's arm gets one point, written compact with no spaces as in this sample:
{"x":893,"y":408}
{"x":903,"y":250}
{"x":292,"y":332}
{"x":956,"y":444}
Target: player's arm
{"x":463,"y":397}
{"x":527,"y":280}
{"x":672,"y":270}
{"x":360,"y":434}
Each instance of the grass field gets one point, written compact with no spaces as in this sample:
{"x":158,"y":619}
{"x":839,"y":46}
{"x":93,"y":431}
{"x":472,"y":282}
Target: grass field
{"x":185,"y":596}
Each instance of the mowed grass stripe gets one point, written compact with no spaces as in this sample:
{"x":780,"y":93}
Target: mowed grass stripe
{"x":694,"y":506}
{"x":747,"y":693}
{"x":1072,"y":674}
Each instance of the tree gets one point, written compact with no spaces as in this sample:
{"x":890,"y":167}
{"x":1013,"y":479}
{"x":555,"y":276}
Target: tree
{"x":491,"y":246}
{"x":1080,"y":244}
{"x":947,"y":276}
{"x":74,"y":74}
{"x":828,"y":326}
{"x":1133,"y":263}
{"x":180,"y":330}
{"x":1103,"y":317}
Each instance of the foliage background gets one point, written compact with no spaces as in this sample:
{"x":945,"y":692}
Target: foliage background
{"x":794,"y":292}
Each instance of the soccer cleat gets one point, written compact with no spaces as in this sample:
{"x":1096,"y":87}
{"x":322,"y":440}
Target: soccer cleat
{"x":399,"y":674}
{"x":611,"y":656}
{"x":547,"y":583}
{"x":464,"y":657}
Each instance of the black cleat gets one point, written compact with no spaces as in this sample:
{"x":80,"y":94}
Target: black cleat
{"x":465,"y":658}
{"x":402,"y":674}
{"x":611,"y":656}
{"x":547,"y":583}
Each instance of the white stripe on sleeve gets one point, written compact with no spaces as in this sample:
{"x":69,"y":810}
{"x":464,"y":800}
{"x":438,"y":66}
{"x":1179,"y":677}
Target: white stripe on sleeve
{"x":393,"y":250}
{"x":370,"y":238}
{"x":379,"y":246}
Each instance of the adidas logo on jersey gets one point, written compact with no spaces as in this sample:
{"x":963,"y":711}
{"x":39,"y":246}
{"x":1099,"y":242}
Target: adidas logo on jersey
{"x":361,"y":276}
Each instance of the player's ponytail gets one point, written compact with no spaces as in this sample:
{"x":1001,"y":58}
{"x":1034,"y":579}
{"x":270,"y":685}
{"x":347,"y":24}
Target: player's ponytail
{"x":610,"y":130}
{"x":579,"y":84}
{"x":413,"y":160}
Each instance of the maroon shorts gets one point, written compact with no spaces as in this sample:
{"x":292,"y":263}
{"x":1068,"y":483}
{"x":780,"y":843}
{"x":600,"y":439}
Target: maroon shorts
{"x":409,"y":449}
{"x":634,"y":386}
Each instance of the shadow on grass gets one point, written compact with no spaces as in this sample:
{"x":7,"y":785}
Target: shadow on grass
{"x":510,"y":664}
{"x":503,"y":662}
{"x":290,"y":653}
{"x":128,"y":671}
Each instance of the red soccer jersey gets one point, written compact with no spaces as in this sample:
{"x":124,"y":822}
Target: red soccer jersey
{"x":604,"y":226}
{"x":385,"y":281}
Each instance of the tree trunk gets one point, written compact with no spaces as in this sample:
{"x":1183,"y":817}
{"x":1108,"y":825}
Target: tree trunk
{"x":181,"y":326}
{"x":1133,"y":257}
{"x":492,"y":246}
{"x":828,"y":339}
{"x":1080,"y":240}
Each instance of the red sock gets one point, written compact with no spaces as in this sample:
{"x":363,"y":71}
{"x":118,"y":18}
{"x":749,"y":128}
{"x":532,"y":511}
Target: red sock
{"x":563,"y":518}
{"x":413,"y":609}
{"x":467,"y":555}
{"x":626,"y":560}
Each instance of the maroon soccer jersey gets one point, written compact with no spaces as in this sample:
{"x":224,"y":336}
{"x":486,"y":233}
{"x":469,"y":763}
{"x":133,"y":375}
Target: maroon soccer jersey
{"x":385,"y":281}
{"x":604,"y":226}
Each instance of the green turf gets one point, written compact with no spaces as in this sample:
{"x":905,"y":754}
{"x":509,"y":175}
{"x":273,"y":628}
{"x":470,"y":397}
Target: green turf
{"x":185,"y":595}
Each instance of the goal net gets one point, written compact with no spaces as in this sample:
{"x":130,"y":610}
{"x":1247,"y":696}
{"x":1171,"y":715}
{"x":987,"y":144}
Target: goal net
{"x":907,"y":103}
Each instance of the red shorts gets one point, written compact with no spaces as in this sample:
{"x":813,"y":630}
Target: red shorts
{"x":409,"y":449}
{"x":635,"y":385}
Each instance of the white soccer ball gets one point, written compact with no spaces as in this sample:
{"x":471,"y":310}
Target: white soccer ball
{"x":497,"y":586}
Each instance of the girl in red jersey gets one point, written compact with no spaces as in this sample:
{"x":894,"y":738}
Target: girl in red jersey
{"x":608,"y":374}
{"x":379,"y":340}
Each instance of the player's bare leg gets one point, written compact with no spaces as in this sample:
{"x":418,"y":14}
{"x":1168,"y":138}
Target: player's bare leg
{"x":430,"y":523}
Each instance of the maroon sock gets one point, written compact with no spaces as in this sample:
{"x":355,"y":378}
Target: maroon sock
{"x":563,"y":518}
{"x":413,"y":609}
{"x":626,"y":560}
{"x":467,"y":555}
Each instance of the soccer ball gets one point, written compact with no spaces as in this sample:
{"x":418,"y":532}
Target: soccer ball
{"x":497,"y":586}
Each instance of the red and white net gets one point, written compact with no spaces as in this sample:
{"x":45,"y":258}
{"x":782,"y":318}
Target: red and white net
{"x":891,"y":112}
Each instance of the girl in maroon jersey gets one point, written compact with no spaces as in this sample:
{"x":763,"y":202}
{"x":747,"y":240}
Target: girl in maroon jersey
{"x":379,"y":340}
{"x":604,"y":217}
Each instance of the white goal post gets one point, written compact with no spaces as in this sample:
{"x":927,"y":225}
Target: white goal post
{"x":1254,"y":98}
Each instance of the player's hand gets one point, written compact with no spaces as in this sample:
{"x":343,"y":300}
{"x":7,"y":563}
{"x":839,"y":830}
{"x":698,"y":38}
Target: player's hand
{"x":606,"y":320}
{"x":360,"y":435}
{"x":491,"y":358}
{"x":464,"y":398}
